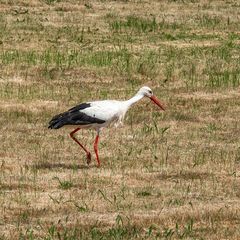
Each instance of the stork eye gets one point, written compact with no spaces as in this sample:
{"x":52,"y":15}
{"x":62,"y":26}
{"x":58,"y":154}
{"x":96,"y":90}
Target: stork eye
{"x":150,"y":91}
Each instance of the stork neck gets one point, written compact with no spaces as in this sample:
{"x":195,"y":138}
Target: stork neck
{"x":134,"y":99}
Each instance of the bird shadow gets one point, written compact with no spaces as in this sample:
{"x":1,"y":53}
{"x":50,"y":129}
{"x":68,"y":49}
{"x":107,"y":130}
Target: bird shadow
{"x":47,"y":165}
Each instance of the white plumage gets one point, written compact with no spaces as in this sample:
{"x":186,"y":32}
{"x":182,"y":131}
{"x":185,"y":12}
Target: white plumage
{"x":108,"y":110}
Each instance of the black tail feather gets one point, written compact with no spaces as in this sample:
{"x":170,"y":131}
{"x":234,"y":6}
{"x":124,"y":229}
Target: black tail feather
{"x":57,"y":121}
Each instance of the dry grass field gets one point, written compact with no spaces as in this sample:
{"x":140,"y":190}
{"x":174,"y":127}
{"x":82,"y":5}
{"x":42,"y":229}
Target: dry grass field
{"x":164,"y":175}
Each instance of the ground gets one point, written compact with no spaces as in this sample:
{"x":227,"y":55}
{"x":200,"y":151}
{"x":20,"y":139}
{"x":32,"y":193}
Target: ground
{"x":164,"y":175}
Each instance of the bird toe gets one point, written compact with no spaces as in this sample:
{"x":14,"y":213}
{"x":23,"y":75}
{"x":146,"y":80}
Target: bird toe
{"x":88,"y":158}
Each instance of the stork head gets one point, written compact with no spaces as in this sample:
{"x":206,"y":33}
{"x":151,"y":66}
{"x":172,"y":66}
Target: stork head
{"x":147,"y":92}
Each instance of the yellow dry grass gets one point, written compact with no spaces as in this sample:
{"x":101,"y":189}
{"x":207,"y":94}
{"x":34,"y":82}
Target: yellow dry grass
{"x":164,"y":175}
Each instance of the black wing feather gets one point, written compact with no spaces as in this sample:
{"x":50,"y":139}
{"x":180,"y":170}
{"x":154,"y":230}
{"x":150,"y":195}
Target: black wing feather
{"x":74,"y":116}
{"x":80,"y":107}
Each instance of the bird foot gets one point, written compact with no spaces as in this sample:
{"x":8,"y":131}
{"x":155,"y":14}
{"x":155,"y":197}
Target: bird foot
{"x":88,"y":158}
{"x":98,"y":163}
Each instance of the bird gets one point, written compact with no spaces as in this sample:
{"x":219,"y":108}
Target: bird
{"x":98,"y":115}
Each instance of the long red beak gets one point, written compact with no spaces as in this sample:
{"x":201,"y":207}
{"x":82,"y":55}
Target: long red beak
{"x":156,"y":101}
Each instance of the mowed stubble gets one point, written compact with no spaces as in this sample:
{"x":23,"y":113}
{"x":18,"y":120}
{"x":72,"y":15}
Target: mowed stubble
{"x":166,"y":175}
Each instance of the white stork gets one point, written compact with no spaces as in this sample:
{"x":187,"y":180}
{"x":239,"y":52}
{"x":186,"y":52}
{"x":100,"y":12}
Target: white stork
{"x":97,"y":115}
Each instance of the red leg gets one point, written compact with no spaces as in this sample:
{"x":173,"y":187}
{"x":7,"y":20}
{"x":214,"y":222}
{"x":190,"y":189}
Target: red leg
{"x":96,"y":149}
{"x":88,"y":153}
